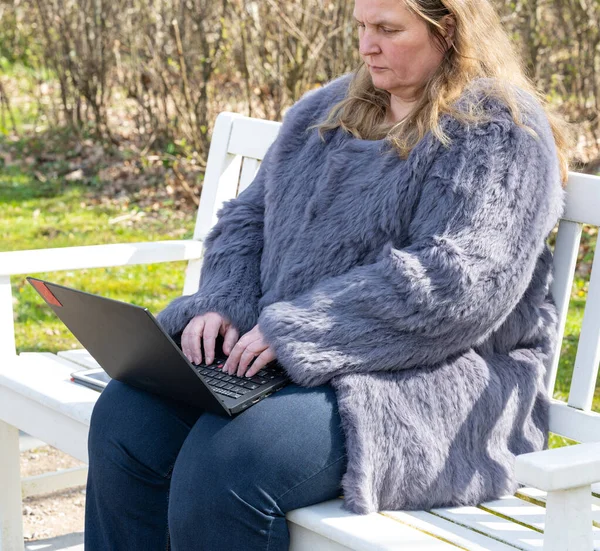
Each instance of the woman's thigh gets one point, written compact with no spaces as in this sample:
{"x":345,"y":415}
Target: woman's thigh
{"x":133,"y":424}
{"x":285,"y":452}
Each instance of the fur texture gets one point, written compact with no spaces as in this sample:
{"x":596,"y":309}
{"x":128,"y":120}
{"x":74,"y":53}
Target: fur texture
{"x":419,"y":288}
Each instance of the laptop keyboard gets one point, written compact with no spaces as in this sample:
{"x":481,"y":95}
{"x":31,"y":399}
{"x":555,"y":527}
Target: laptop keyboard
{"x":232,"y":385}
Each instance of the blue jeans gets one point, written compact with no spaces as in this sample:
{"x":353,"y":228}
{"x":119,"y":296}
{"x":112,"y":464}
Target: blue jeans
{"x":163,"y":475}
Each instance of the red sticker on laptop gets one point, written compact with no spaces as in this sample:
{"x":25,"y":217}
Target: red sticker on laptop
{"x":46,"y":293}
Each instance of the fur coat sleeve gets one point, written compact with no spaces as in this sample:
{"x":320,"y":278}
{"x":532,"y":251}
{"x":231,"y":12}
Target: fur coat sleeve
{"x":230,"y":279}
{"x":486,"y":206}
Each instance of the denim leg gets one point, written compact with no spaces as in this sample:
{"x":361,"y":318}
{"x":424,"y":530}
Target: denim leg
{"x":134,"y":440}
{"x":235,"y":479}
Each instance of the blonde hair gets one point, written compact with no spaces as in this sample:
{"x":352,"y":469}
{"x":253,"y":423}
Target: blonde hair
{"x":480,"y":49}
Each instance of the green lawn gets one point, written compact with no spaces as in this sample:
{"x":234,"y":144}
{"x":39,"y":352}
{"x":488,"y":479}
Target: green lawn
{"x":59,"y":214}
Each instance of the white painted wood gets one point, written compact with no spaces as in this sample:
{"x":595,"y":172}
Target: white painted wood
{"x":521,"y":525}
{"x":569,"y":521}
{"x":573,"y":527}
{"x":362,"y":532}
{"x":252,"y":137}
{"x":585,"y":373}
{"x":463,"y":538}
{"x":564,"y":263}
{"x":560,"y":468}
{"x":216,"y":167}
{"x":80,"y":357}
{"x":7,"y":328}
{"x":539,"y":497}
{"x":38,"y":397}
{"x":581,"y":426}
{"x":249,"y":169}
{"x":583,"y":199}
{"x":192,"y":276}
{"x":228,"y":185}
{"x":54,"y":481}
{"x":303,"y":539}
{"x":529,"y":514}
{"x":68,"y":542}
{"x":45,"y":423}
{"x":495,"y":527}
{"x":11,"y":526}
{"x":97,"y":256}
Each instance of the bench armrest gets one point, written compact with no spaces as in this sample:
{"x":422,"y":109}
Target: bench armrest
{"x":560,"y":468}
{"x":98,"y":256}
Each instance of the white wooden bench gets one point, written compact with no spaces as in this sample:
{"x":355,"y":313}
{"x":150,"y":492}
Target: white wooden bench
{"x":557,"y":509}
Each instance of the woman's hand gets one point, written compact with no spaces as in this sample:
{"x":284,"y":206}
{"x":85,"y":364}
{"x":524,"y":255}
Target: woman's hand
{"x":251,"y":345}
{"x":206,"y":328}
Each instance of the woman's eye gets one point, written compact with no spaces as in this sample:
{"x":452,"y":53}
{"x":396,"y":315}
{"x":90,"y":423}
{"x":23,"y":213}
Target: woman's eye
{"x":386,"y":31}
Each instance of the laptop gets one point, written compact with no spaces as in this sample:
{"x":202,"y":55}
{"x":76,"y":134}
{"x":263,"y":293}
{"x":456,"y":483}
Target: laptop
{"x":132,"y":347}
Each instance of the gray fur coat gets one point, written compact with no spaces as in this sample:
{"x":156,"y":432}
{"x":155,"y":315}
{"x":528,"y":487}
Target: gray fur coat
{"x":418,"y":288}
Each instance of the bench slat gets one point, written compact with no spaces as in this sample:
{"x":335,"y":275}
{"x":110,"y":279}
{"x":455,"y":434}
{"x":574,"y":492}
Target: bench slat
{"x":581,"y":426}
{"x":583,"y":198}
{"x":98,"y":256}
{"x":565,"y":253}
{"x":45,"y":378}
{"x":463,"y":538}
{"x":522,"y":528}
{"x":360,"y":532}
{"x":81,"y":357}
{"x":249,"y":169}
{"x":476,"y":518}
{"x":251,"y":138}
{"x":540,"y":497}
{"x":585,"y":372}
{"x":37,"y":396}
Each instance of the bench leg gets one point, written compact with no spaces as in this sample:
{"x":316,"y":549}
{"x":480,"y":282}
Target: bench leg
{"x":569,"y":520}
{"x":11,"y":507}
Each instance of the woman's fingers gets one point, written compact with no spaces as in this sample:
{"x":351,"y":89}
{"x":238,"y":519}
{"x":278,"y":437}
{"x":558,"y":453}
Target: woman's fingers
{"x":235,"y":355}
{"x":247,"y":356}
{"x":263,"y":359}
{"x":203,"y":329}
{"x":250,"y":347}
{"x":209,"y":336}
{"x":190,"y":339}
{"x":230,"y":338}
{"x":234,"y":358}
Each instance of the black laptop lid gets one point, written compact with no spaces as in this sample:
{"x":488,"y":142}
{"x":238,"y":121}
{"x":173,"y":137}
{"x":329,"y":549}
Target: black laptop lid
{"x":128,"y":343}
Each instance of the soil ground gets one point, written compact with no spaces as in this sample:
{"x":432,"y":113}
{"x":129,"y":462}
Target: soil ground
{"x":54,"y":514}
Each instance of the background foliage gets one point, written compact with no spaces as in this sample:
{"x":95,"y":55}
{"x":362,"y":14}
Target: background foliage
{"x":174,"y":64}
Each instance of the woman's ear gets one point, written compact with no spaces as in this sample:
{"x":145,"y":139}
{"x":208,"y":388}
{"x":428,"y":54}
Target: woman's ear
{"x":449,"y":23}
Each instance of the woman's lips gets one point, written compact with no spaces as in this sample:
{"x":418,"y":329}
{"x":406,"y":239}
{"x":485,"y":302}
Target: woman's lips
{"x":376,"y":68}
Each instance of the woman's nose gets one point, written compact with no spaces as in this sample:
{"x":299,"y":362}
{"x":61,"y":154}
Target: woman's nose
{"x":368,"y":45}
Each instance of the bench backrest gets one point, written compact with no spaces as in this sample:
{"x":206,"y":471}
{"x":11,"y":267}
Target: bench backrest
{"x":239,"y":144}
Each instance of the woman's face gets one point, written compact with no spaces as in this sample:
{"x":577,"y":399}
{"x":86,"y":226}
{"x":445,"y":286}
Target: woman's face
{"x":396,"y":40}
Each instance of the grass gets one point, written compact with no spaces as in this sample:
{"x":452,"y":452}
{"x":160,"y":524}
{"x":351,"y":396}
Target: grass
{"x":59,"y":214}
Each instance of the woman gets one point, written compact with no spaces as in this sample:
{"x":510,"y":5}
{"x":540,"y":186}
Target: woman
{"x":391,"y":255}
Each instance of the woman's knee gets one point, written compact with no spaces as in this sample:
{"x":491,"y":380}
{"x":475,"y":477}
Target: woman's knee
{"x":131,"y":425}
{"x":211,"y":484}
{"x":248,"y":483}
{"x":107,"y":420}
{"x":247,"y":463}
